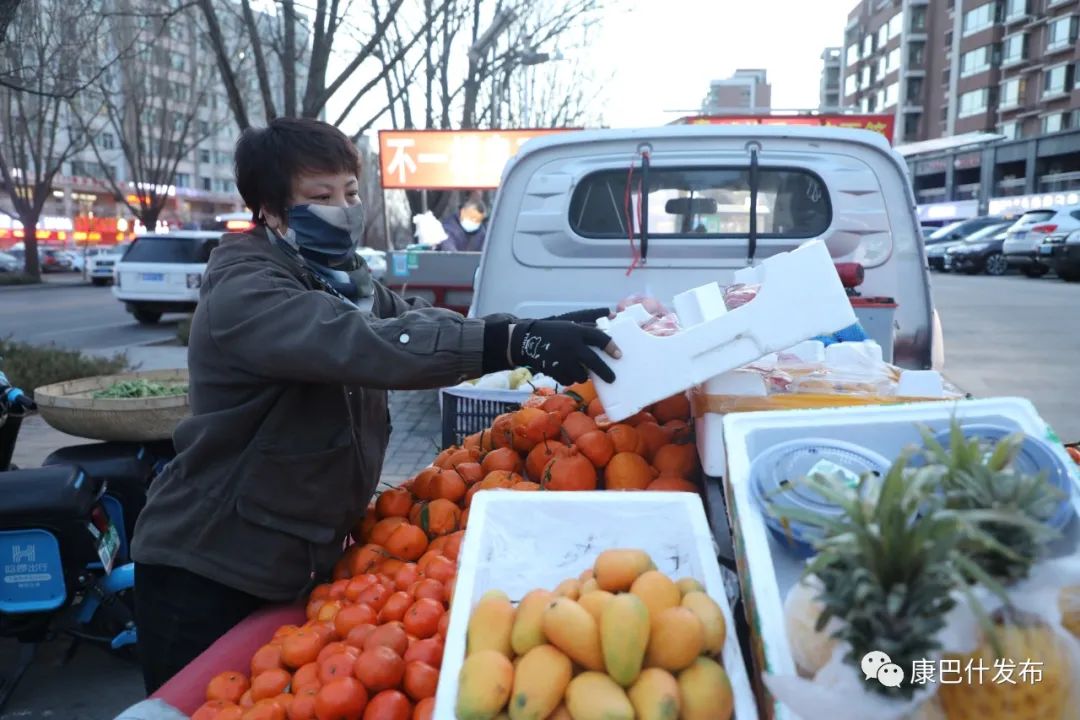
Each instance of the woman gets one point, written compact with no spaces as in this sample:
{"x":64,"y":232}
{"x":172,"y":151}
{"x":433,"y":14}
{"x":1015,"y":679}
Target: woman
{"x":292,"y":350}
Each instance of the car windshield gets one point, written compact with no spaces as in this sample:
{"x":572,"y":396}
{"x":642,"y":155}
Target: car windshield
{"x":166,"y":249}
{"x":945,"y":230}
{"x":986,"y":233}
{"x":1033,"y":217}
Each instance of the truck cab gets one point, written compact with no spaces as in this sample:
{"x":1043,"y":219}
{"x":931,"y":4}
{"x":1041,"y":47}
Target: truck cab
{"x":566,"y":227}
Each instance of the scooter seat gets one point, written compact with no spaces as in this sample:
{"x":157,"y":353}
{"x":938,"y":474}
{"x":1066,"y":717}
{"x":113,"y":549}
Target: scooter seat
{"x":59,"y":491}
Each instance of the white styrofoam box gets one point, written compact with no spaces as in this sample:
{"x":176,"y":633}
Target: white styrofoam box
{"x":709,"y":427}
{"x":920,"y":383}
{"x":767,"y":570}
{"x":517,"y":542}
{"x":809,"y":351}
{"x":800,"y":297}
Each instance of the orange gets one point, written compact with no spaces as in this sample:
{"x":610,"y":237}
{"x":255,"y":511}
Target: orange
{"x":392,"y":635}
{"x":357,"y":585}
{"x":678,"y":460}
{"x":395,"y":607}
{"x":667,"y":483}
{"x":448,"y":485}
{"x":333,"y":648}
{"x":654,"y":437}
{"x":394,"y":502}
{"x":387,"y":581}
{"x":422,"y":618}
{"x":337,"y":589}
{"x":359,"y":634}
{"x":628,"y":471}
{"x":218,"y":710}
{"x":526,"y":486}
{"x":583,"y":392}
{"x":374,"y":596}
{"x":429,"y":588}
{"x":303,"y":704}
{"x":504,"y":458}
{"x":379,"y":668}
{"x":328,"y":611}
{"x":390,"y":566}
{"x":335,"y":666}
{"x":423,"y":483}
{"x":227,"y":686}
{"x":420,"y":680}
{"x":577,"y":424}
{"x":429,"y":650}
{"x":265,"y":709}
{"x":426,"y":558}
{"x":367,"y":557}
{"x":306,"y":676}
{"x":385,"y":527}
{"x":284,"y":701}
{"x":543,"y":453}
{"x":424,"y":709}
{"x":341,"y":699}
{"x":597,"y":446}
{"x":324,"y":630}
{"x":676,"y":407}
{"x":449,"y":596}
{"x":351,"y":616}
{"x":453,"y":544}
{"x":444,"y":625}
{"x":406,"y":542}
{"x":269,"y":684}
{"x":246,"y":701}
{"x":470,"y":472}
{"x":268,"y":657}
{"x":441,"y":516}
{"x":388,"y":705}
{"x":286,"y":629}
{"x":595,"y":409}
{"x":625,"y":439}
{"x":406,"y":576}
{"x":441,"y":569}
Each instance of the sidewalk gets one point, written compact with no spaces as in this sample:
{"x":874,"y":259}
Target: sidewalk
{"x":52,"y":281}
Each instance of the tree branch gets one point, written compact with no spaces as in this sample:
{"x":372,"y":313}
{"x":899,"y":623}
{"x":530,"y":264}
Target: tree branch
{"x":260,"y":62}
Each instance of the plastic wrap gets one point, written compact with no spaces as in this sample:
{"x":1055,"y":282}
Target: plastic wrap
{"x":839,"y":691}
{"x":663,"y":321}
{"x":739,"y":294}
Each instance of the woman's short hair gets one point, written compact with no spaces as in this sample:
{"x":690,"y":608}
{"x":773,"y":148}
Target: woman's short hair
{"x":268,"y":159}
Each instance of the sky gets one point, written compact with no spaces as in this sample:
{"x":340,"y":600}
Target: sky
{"x":662,"y":54}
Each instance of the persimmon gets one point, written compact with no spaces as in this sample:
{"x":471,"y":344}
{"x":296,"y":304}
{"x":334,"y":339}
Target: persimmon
{"x":583,"y":392}
{"x":638,"y":418}
{"x":367,"y":558}
{"x":265,"y":709}
{"x":672,"y":484}
{"x":303,"y":705}
{"x":677,"y":460}
{"x":394,"y":502}
{"x":628,"y":471}
{"x":388,"y":705}
{"x":284,"y":630}
{"x":448,"y":485}
{"x":407,"y":542}
{"x":391,"y":635}
{"x":227,"y":686}
{"x":424,"y":710}
{"x":577,"y":424}
{"x":325,"y":630}
{"x":572,"y":471}
{"x":374,"y":596}
{"x":395,"y":607}
{"x":426,"y":559}
{"x":441,"y":568}
{"x":379,"y":668}
{"x":680,"y":432}
{"x":501,"y":434}
{"x":561,"y":405}
{"x":429,"y":588}
{"x":526,"y":486}
{"x":449,"y":586}
{"x":333,"y":648}
{"x":337,"y":665}
{"x":653,"y":437}
{"x":359,"y":635}
{"x":625,"y":438}
{"x":337,"y":589}
{"x":343,"y":698}
{"x":429,"y":650}
{"x":422,"y":618}
{"x":269,"y":683}
{"x":440,"y":516}
{"x":358,"y":584}
{"x":597,"y":447}
{"x":389,"y":567}
{"x":543,"y":453}
{"x":308,"y":675}
{"x":443,"y":456}
{"x":420,"y":680}
{"x":595,"y":409}
{"x":504,"y":459}
{"x":452,"y":548}
{"x":465,"y":518}
{"x":676,"y":407}
{"x":385,"y":528}
{"x":329,"y":609}
{"x":218,"y":710}
{"x":245,"y":701}
{"x":268,"y":657}
{"x":406,"y":576}
{"x":470,"y":472}
{"x":444,"y":626}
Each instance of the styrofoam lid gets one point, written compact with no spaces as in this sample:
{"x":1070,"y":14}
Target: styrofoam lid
{"x":808,"y":351}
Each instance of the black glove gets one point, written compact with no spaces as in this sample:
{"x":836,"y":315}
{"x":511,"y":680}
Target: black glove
{"x":560,"y":349}
{"x":586,"y":317}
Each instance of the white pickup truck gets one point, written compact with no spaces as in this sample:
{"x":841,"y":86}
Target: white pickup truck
{"x":560,"y":235}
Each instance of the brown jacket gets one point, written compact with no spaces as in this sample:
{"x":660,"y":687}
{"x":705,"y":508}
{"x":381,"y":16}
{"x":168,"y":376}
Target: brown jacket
{"x":289,"y":423}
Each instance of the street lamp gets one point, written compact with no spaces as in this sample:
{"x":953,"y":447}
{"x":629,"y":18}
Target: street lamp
{"x":499,"y":24}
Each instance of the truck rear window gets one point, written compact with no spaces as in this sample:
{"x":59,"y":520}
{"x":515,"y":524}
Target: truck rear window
{"x":711,"y":202}
{"x":158,"y":249}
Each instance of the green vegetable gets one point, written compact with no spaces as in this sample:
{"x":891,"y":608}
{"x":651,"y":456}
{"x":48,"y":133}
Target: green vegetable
{"x":140,"y":389}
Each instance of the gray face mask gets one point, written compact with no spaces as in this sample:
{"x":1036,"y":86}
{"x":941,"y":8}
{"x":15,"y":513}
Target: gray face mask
{"x":327,"y":233}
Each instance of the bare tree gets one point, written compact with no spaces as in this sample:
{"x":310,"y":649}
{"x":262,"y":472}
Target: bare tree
{"x":7,"y":14}
{"x":58,"y":46}
{"x":156,"y":109}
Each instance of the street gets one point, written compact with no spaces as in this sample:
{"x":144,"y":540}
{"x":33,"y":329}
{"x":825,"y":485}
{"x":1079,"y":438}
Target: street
{"x":79,"y":317}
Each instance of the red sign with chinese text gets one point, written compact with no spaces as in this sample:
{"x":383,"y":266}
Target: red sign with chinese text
{"x":884,"y":124}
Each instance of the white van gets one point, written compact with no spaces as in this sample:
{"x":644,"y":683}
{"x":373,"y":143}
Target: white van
{"x":162,"y":273}
{"x":559,"y":236}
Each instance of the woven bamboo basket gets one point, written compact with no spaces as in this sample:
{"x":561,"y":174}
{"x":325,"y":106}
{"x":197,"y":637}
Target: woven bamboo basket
{"x":71,"y":408}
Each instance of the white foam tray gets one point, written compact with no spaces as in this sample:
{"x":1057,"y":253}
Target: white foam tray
{"x":517,"y":542}
{"x":766,"y":570}
{"x":800,"y":297}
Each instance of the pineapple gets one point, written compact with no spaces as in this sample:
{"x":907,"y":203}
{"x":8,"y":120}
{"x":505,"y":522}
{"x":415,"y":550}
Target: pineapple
{"x":1005,"y":689}
{"x":885,"y":566}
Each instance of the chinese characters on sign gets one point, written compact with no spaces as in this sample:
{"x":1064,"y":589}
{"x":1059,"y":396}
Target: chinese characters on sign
{"x":449,"y":159}
{"x":884,"y":124}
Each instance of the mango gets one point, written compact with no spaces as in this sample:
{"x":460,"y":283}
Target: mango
{"x":540,"y":681}
{"x":484,"y":685}
{"x":570,"y":588}
{"x":624,"y":635}
{"x":616,"y":570}
{"x":676,"y":639}
{"x":655,"y":695}
{"x":595,"y":696}
{"x":595,"y":602}
{"x":588,"y":586}
{"x":657,"y":590}
{"x":571,"y":628}
{"x":711,"y":617}
{"x":561,"y":713}
{"x":586,"y":574}
{"x":706,"y":691}
{"x":491,"y":624}
{"x":688,"y":585}
{"x":527,"y":632}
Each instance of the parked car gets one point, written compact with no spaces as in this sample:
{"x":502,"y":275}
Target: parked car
{"x":76,"y":259}
{"x":9,"y":263}
{"x":162,"y":272}
{"x":953,"y":234}
{"x":102,"y":264}
{"x":54,"y":261}
{"x":1062,"y":252}
{"x":980,"y":252}
{"x":1021,"y":246}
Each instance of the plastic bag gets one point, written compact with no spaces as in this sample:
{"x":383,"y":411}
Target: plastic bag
{"x":663,"y":321}
{"x":429,"y":231}
{"x":739,"y":294}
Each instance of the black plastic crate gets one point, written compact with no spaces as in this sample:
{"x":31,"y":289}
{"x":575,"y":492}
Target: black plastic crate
{"x":463,"y":414}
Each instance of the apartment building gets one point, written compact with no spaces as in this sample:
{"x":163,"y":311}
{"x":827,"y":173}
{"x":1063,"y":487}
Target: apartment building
{"x":832,"y":60}
{"x":990,"y":88}
{"x":744,"y":90}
